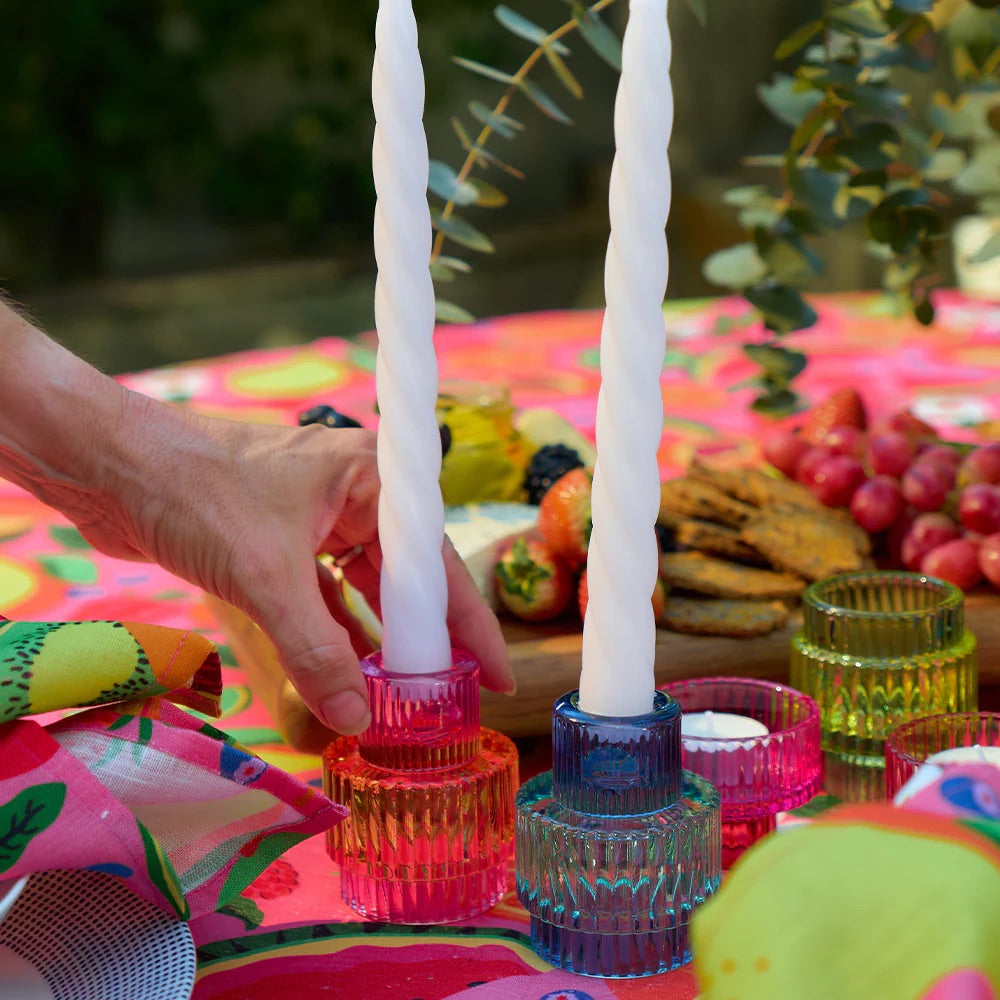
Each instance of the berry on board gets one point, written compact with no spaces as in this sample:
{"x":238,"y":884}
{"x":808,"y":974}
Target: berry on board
{"x":564,"y":517}
{"x":550,"y":463}
{"x":532,"y":583}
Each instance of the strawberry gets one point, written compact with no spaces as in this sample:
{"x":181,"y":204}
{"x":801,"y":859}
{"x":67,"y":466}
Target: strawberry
{"x":907,"y":422}
{"x":564,"y":517}
{"x":532,"y":582}
{"x":659,"y":596}
{"x":843,"y":408}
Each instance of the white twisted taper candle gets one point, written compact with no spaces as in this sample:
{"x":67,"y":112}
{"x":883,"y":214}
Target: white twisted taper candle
{"x":619,"y":633}
{"x":414,"y":591}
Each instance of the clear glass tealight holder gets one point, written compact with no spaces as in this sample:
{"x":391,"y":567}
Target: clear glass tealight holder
{"x":616,"y":846}
{"x":876,"y":649}
{"x":430,"y":832}
{"x":759,"y":776}
{"x":908,"y":746}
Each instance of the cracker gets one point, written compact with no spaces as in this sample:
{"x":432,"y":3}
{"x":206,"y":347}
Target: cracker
{"x":803,"y":542}
{"x":716,"y":540}
{"x":701,"y":500}
{"x":739,"y":619}
{"x":719,"y":578}
{"x":754,"y":486}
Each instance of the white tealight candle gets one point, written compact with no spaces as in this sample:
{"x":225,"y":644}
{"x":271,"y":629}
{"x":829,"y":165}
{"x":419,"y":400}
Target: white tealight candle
{"x":720,"y":725}
{"x":414,"y":591}
{"x":975,"y":754}
{"x":619,"y":632}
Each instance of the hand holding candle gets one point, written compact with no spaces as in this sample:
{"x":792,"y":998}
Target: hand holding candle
{"x":619,"y":631}
{"x":411,"y":512}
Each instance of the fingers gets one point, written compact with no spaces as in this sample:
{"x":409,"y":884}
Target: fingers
{"x":317,"y":653}
{"x":474,"y":627}
{"x":333,"y":596}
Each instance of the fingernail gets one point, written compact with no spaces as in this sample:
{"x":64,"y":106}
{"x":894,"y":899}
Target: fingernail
{"x":346,"y":712}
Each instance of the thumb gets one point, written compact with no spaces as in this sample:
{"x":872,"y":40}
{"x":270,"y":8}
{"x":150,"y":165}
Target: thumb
{"x":317,"y":655}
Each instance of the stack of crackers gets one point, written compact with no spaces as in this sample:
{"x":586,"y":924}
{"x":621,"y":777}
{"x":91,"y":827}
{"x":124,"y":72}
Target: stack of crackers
{"x":750,"y":544}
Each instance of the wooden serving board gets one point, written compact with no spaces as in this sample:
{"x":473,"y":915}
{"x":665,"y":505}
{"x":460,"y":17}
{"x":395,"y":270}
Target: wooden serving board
{"x":546,"y":662}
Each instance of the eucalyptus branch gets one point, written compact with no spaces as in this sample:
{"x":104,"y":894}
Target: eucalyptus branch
{"x":473,"y":154}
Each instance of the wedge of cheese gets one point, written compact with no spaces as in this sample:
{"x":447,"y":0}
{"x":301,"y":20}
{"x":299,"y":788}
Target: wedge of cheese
{"x":476,"y":531}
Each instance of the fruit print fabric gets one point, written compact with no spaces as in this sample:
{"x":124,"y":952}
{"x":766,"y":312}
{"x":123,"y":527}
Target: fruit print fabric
{"x":795,"y":919}
{"x":144,"y":791}
{"x":46,"y":666}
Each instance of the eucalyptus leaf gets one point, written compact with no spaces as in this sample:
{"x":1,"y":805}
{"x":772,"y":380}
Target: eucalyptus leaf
{"x":448,"y":312}
{"x":481,"y":69}
{"x":444,"y":182}
{"x":458,"y":229}
{"x":519,"y":25}
{"x":736,"y":267}
{"x":504,"y":126}
{"x":789,"y":261}
{"x":776,"y":360}
{"x":798,"y":39}
{"x":542,"y":101}
{"x":487,"y":195}
{"x":455,"y":264}
{"x":478,"y":154}
{"x":914,"y":6}
{"x":782,"y":307}
{"x":745,"y":195}
{"x":944,"y":164}
{"x":785,"y":101}
{"x":599,"y":37}
{"x":981,"y":174}
{"x":779,"y":403}
{"x":872,"y":146}
{"x":860,"y":18}
{"x":562,"y":72}
{"x":441,"y":272}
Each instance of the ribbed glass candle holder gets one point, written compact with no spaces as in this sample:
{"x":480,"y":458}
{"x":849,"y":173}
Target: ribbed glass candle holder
{"x":431,"y":797}
{"x":616,"y":846}
{"x":909,"y":745}
{"x":877,"y":649}
{"x":760,"y":776}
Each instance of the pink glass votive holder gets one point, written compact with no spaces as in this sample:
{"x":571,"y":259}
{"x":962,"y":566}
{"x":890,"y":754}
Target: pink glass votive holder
{"x":909,"y":745}
{"x":430,"y":832}
{"x":757,"y":777}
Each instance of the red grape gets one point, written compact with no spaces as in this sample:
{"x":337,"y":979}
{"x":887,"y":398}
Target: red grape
{"x":979,"y":508}
{"x":835,"y":480}
{"x":981,"y":465}
{"x":877,"y":503}
{"x":805,"y":470}
{"x":845,"y":440}
{"x":898,"y":530}
{"x":956,"y":561}
{"x":890,"y":453}
{"x":945,"y":472}
{"x":927,"y":532}
{"x":939,"y":454}
{"x":989,"y":558}
{"x":784,"y":450}
{"x":926,"y":486}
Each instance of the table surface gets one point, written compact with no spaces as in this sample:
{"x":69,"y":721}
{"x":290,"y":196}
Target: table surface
{"x":308,"y":941}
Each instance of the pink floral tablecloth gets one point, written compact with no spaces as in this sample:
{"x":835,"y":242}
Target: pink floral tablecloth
{"x":308,"y":942}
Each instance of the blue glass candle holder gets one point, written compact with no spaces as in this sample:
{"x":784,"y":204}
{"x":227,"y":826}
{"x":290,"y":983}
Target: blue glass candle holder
{"x":616,"y":846}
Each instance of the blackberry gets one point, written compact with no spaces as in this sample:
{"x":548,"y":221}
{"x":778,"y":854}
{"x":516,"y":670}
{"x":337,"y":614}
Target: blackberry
{"x":550,"y":463}
{"x":327,"y":416}
{"x":665,"y":537}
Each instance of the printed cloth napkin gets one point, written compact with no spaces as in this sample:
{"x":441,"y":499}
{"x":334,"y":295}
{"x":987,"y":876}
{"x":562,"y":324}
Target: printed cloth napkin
{"x":899,"y":903}
{"x":142,"y":790}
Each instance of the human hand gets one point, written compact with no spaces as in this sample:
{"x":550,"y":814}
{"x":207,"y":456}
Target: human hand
{"x":242,"y":510}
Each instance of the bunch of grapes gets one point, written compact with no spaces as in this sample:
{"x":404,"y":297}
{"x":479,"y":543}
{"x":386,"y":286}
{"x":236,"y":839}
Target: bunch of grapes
{"x":934,"y":507}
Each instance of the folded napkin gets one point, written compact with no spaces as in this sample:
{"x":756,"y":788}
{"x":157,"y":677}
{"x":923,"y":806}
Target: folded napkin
{"x":141,"y":790}
{"x":51,"y":665}
{"x":899,"y":903}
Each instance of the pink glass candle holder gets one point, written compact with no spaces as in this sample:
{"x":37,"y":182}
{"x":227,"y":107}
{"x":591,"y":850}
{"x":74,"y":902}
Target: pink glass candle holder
{"x":431,"y":796}
{"x":909,"y":745}
{"x":759,"y":776}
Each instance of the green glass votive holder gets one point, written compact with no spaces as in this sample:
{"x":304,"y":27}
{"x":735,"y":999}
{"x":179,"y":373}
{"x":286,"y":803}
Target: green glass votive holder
{"x":876,"y":649}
